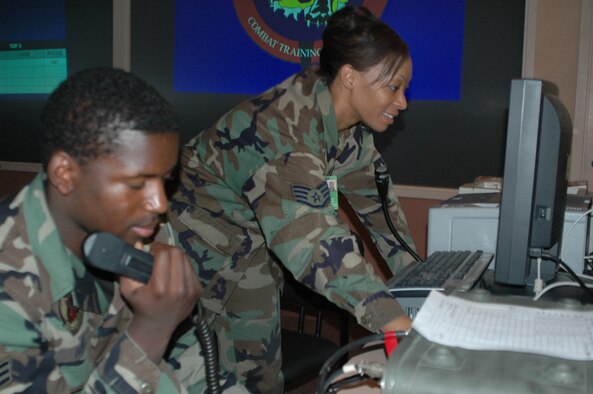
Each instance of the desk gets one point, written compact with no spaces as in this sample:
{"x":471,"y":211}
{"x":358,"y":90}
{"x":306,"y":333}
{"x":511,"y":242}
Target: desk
{"x":421,"y":366}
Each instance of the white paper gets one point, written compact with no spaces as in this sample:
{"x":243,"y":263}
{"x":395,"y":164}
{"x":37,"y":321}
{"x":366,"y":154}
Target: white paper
{"x":453,"y":321}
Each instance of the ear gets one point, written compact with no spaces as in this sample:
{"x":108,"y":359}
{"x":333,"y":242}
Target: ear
{"x":347,"y":75}
{"x":62,"y":172}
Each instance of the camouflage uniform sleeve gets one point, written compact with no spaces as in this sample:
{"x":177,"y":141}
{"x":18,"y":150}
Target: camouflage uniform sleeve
{"x":291,"y":201}
{"x":47,"y":344}
{"x":360,"y":189}
{"x":63,"y":329}
{"x":52,"y":347}
{"x":38,"y":353}
{"x":356,"y":181}
{"x":130,"y":371}
{"x":126,"y":369}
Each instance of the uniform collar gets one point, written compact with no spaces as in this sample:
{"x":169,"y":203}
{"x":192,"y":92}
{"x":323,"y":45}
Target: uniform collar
{"x":67,"y":272}
{"x":328,"y":117}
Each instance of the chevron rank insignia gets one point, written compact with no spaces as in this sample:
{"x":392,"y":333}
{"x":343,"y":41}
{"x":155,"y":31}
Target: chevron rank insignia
{"x":317,"y":197}
{"x":5,"y":373}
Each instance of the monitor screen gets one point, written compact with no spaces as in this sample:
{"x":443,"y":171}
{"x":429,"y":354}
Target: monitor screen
{"x":534,"y":184}
{"x":41,"y":43}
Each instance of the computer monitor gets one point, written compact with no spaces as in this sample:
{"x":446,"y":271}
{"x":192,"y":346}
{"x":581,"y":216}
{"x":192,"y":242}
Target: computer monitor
{"x":534,"y":184}
{"x":41,"y":43}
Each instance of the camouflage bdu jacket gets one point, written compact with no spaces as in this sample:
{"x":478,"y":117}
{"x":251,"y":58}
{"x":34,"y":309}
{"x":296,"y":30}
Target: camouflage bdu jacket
{"x":258,"y":178}
{"x":63,"y":329}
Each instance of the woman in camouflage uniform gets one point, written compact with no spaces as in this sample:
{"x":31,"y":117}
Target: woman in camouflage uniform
{"x":253,"y":194}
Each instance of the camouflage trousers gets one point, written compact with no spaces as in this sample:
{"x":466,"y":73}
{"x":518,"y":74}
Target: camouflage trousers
{"x":248,"y":327}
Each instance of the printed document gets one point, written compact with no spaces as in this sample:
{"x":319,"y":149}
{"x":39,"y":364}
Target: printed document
{"x":458,"y":322}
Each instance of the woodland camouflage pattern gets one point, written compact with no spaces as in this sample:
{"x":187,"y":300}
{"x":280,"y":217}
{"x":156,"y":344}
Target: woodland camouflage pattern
{"x":256,"y":180}
{"x":64,"y":329}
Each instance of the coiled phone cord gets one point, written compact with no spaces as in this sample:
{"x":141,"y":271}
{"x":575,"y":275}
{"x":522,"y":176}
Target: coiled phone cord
{"x":210,"y":350}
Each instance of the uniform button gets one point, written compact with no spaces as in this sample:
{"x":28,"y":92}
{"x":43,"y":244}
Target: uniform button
{"x":145,"y":388}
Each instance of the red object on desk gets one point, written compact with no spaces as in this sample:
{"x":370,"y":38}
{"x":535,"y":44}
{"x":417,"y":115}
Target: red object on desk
{"x":390,"y":342}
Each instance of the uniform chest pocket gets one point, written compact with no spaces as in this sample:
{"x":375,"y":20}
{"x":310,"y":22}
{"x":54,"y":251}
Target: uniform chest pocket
{"x":79,"y":339}
{"x":72,"y":342}
{"x":216,"y":233}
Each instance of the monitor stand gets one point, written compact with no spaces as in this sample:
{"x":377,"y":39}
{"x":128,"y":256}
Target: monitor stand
{"x":562,"y":293}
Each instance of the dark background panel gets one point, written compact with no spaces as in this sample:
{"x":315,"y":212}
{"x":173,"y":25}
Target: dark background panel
{"x":446,"y":143}
{"x":152,"y":58}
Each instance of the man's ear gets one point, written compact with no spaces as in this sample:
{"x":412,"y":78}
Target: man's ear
{"x":347,"y":76}
{"x":62,"y":171}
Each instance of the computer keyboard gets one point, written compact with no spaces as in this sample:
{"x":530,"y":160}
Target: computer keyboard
{"x":458,"y":270}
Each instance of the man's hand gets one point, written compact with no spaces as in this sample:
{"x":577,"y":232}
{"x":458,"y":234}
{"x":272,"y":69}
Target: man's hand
{"x":165,"y":301}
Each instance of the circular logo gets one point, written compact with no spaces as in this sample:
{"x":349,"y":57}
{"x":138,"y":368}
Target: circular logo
{"x":291,"y":29}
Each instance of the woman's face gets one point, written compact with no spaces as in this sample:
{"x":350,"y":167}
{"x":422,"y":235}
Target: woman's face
{"x":377,"y":103}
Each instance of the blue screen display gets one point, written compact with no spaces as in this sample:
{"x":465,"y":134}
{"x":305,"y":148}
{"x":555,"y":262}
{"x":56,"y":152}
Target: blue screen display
{"x":33,"y":55}
{"x":247,"y":46}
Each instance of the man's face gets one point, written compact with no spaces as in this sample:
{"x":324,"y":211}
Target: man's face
{"x":124,"y":192}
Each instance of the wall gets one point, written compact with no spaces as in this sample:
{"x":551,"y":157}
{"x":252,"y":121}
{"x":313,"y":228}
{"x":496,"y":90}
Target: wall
{"x":11,"y":181}
{"x":557,"y":47}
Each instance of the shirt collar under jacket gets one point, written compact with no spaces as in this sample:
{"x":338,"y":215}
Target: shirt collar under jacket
{"x":67,"y":272}
{"x":328,"y":116}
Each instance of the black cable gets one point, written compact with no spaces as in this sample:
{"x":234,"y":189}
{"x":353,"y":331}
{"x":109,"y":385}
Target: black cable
{"x":323,"y":382}
{"x":340,"y":384}
{"x":210,"y":351}
{"x":396,"y":234}
{"x":322,"y":385}
{"x":382,"y":182}
{"x":555,"y":259}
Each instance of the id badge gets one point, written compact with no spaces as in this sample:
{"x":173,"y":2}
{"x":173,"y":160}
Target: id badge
{"x":332,"y":185}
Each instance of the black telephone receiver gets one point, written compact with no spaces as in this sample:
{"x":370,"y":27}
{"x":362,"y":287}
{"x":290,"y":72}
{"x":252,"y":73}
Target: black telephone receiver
{"x":108,"y":252}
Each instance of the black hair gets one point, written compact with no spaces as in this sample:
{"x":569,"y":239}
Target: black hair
{"x":86,"y":113}
{"x":355,"y":36}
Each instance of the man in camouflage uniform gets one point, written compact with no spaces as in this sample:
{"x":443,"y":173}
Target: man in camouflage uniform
{"x":253,"y":192}
{"x":109,"y":142}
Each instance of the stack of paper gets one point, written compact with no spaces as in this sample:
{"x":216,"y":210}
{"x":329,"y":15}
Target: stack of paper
{"x":454,"y":321}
